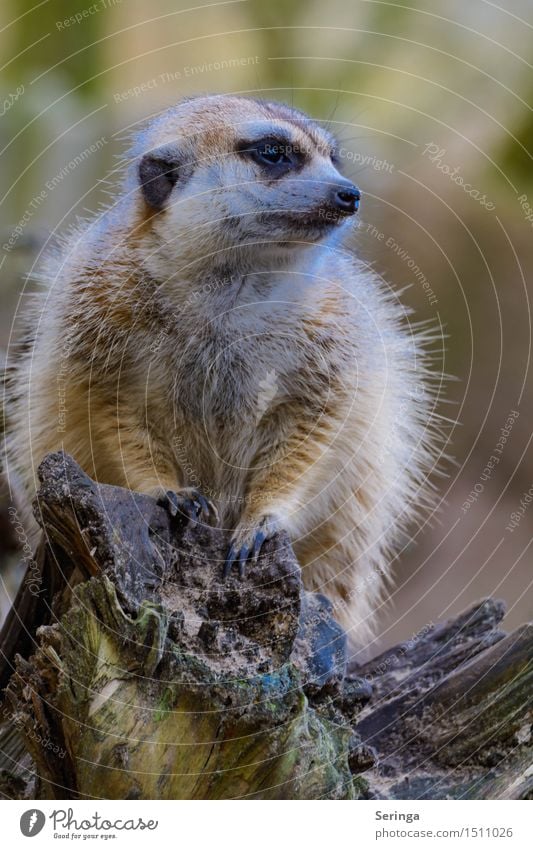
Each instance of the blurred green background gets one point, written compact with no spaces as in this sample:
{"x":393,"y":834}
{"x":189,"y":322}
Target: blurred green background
{"x":422,"y":96}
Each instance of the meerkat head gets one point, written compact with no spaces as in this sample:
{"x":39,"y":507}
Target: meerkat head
{"x":223,"y":173}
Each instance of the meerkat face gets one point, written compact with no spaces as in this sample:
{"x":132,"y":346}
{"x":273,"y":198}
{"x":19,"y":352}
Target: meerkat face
{"x":289,"y":187}
{"x":232,"y":172}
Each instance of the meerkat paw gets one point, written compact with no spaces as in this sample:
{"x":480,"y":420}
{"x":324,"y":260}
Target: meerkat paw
{"x":190,"y":504}
{"x":246,"y":543}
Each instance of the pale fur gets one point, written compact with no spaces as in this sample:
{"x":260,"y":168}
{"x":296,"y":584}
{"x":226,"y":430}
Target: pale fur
{"x":166,"y":325}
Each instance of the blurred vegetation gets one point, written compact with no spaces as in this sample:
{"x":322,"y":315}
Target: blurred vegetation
{"x":389,"y":79}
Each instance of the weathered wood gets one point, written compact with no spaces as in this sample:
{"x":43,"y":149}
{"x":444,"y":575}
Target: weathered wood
{"x":452,"y":717}
{"x":154,"y":678}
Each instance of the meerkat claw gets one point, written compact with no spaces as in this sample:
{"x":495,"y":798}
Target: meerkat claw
{"x":238,"y":556}
{"x":260,"y":537}
{"x":247,"y":552}
{"x":190,"y":504}
{"x":208,"y":509}
{"x":243,"y":556}
{"x":230,"y":558}
{"x":170,"y":502}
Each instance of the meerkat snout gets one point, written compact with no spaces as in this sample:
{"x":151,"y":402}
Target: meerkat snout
{"x":346,"y":198}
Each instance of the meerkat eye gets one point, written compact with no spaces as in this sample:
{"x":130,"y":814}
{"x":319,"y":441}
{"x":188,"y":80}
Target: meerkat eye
{"x":270,"y":152}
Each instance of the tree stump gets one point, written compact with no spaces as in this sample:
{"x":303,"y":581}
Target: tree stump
{"x":151,"y":677}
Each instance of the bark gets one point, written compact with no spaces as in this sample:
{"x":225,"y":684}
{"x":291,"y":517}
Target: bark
{"x":151,"y":677}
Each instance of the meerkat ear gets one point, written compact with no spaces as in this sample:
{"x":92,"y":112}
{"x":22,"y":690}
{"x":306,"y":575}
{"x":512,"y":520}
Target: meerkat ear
{"x":158,"y":174}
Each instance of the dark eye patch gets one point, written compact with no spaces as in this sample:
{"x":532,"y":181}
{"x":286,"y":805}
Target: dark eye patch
{"x":273,"y":154}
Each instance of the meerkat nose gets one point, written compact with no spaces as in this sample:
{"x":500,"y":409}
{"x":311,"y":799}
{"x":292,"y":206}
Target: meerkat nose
{"x":346,"y":198}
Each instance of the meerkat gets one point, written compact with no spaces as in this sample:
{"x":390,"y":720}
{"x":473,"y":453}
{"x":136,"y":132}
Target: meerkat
{"x":209,"y":338}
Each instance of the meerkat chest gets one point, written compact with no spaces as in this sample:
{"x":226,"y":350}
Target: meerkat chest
{"x":239,"y":364}
{"x":230,"y":376}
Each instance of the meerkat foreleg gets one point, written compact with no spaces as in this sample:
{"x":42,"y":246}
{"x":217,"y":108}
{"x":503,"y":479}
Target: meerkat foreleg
{"x":277,"y":488}
{"x":147,"y":466}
